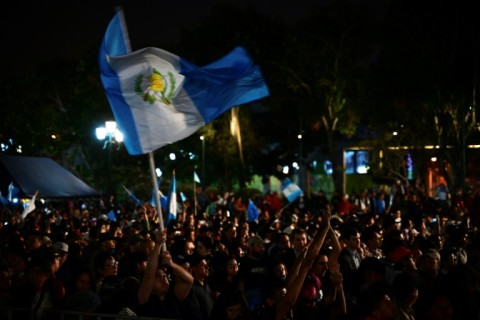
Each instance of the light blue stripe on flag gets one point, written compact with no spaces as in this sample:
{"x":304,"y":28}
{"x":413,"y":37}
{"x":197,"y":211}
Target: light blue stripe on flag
{"x":158,"y":98}
{"x":290,"y":190}
{"x":134,"y":198}
{"x":195,"y":177}
{"x":252,"y":211}
{"x":171,"y":203}
{"x":183,"y":197}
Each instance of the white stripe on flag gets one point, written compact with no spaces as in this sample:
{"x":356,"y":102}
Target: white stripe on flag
{"x":291,"y":191}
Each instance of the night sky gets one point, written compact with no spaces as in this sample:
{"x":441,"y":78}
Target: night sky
{"x":33,"y":31}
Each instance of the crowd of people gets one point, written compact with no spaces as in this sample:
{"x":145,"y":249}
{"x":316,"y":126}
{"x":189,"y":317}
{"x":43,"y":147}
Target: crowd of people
{"x":379,"y":254}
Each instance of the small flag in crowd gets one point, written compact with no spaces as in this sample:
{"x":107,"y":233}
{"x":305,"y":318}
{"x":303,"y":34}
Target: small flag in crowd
{"x":183,"y":197}
{"x":4,"y":201}
{"x":111,"y":216}
{"x":153,"y":201}
{"x":159,"y":98}
{"x":252,"y":211}
{"x":290,"y":190}
{"x":163,"y":200}
{"x":31,"y":206}
{"x":195,"y":177}
{"x":130,"y":193}
{"x":172,"y":202}
{"x":12,"y":192}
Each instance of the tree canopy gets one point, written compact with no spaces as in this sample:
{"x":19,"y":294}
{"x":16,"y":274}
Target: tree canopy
{"x":343,"y":69}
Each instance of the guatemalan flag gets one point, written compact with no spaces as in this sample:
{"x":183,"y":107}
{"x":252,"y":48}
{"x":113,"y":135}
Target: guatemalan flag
{"x":290,"y":190}
{"x":171,"y":203}
{"x":252,"y":211}
{"x":158,"y":98}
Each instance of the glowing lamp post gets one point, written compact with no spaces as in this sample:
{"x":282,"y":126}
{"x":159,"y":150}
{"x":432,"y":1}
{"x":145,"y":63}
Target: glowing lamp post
{"x":203,"y":158}
{"x":110,"y":134}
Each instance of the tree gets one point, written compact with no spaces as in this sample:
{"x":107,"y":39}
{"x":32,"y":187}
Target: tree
{"x":326,"y":60}
{"x":428,"y":68}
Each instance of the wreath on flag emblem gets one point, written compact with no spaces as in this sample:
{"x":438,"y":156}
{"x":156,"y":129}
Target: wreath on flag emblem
{"x":156,"y":87}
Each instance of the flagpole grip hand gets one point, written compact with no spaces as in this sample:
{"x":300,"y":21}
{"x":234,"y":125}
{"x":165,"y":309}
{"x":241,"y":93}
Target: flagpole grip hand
{"x":161,"y":238}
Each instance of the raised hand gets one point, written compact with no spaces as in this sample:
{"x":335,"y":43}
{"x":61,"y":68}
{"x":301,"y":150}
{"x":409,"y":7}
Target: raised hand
{"x":160,"y":236}
{"x":166,"y":258}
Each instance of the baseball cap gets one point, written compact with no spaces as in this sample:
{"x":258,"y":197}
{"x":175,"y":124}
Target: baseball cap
{"x":433,"y":253}
{"x":60,"y":247}
{"x":400,"y":253}
{"x":255,"y":240}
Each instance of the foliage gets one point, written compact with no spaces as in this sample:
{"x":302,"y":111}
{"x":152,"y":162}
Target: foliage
{"x":424,"y":82}
{"x":335,"y":73}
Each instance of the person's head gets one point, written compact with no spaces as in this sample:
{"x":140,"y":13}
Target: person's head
{"x":389,"y":223}
{"x":231,"y":266}
{"x":105,"y":265}
{"x":257,"y":247}
{"x":189,"y":248}
{"x":272,"y":294}
{"x":199,"y":268}
{"x":61,"y":248}
{"x":284,"y":240}
{"x":244,"y":229}
{"x":429,"y":262}
{"x":107,"y":242}
{"x":376,"y":303}
{"x":351,"y":236}
{"x":235,"y":305}
{"x":39,"y":271}
{"x":161,"y":284}
{"x":33,"y":241}
{"x":320,"y":266}
{"x":138,"y":262}
{"x":403,"y":258}
{"x":146,"y":246}
{"x":459,"y":237}
{"x":373,"y":271}
{"x":84,"y":279}
{"x":242,"y":241}
{"x":280,"y":271}
{"x":299,"y":239}
{"x":372,"y":238}
{"x":448,"y":258}
{"x":204,"y":246}
{"x":230,"y":231}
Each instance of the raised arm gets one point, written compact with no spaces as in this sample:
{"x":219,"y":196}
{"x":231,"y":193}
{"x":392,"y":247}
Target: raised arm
{"x":288,"y":301}
{"x":148,"y":280}
{"x":336,"y":247}
{"x":295,"y":269}
{"x":183,"y":279}
{"x":336,"y":293}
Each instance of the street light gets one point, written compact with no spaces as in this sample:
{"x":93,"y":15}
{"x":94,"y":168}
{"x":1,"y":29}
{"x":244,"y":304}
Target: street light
{"x":300,"y":160}
{"x":203,"y":159}
{"x":110,"y":134}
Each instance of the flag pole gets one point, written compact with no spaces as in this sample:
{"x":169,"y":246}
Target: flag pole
{"x":156,"y":190}
{"x":279,"y":212}
{"x":157,"y":195}
{"x":195,"y":197}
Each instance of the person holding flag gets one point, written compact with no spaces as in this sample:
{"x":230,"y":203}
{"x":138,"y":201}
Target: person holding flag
{"x":158,"y":98}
